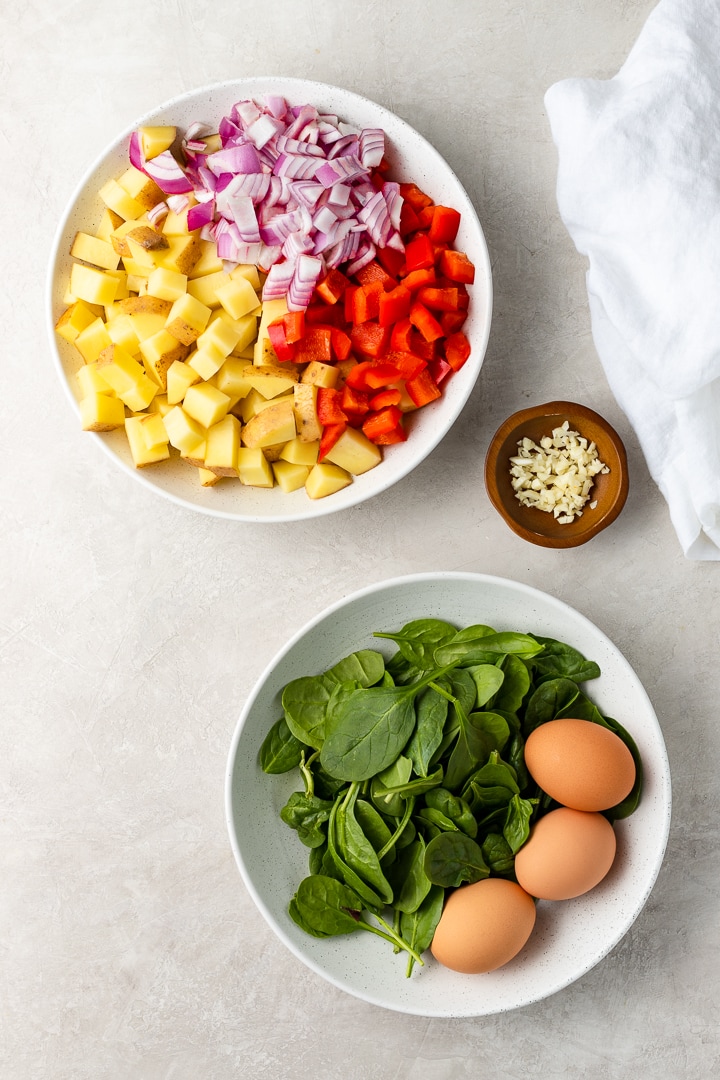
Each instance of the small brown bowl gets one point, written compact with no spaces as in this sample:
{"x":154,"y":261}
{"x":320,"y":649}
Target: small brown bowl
{"x":609,"y":490}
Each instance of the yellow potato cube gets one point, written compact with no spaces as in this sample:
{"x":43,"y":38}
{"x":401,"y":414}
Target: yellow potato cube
{"x":117,"y":199}
{"x":238,"y":297}
{"x":297,"y":452}
{"x":250,"y":272}
{"x":142,"y":188}
{"x":153,"y":429}
{"x":154,"y":139}
{"x":74,"y":320}
{"x":142,"y":453}
{"x":91,"y":381}
{"x":121,"y":331}
{"x":184,"y":433}
{"x":222,"y":334}
{"x":166,"y":284}
{"x":206,"y":404}
{"x":146,"y":325}
{"x":320,"y":374}
{"x":207,"y":478}
{"x":230,"y":378}
{"x":122,"y":292}
{"x":179,"y":378}
{"x":101,"y":412}
{"x":209,"y":261}
{"x":272,"y":379}
{"x":93,"y":250}
{"x":247,"y":333}
{"x":306,"y":418}
{"x":158,"y":353}
{"x":137,"y":273}
{"x":175,"y":223}
{"x":187,"y":319}
{"x":181,"y":255}
{"x":221,"y":448}
{"x":206,"y":361}
{"x":354,"y":452}
{"x":126,"y":377}
{"x":325,"y":479}
{"x":290,"y":476}
{"x":203,"y":288}
{"x":273,"y":425}
{"x":263,"y":353}
{"x":91,"y":285}
{"x":253,"y":468}
{"x":91,"y":341}
{"x":147,"y":305}
{"x":109,"y":221}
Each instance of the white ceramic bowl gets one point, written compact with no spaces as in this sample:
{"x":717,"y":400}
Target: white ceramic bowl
{"x":412,"y":158}
{"x":569,"y":937}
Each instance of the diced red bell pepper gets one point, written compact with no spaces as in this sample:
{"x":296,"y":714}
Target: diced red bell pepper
{"x":420,"y":347}
{"x":444,"y":225}
{"x":456,"y":266}
{"x":423,"y":388}
{"x":329,"y":437}
{"x":452,"y":321}
{"x":340,"y":343}
{"x":385,"y":426}
{"x":366,"y":302}
{"x":440,"y":369}
{"x":374,"y":271}
{"x":416,"y":279}
{"x":425,"y":217}
{"x":457,"y":350}
{"x":425,"y":322}
{"x":294,"y":323}
{"x":349,"y":304}
{"x":394,"y":305}
{"x":439,"y":299}
{"x":372,"y":376}
{"x":401,"y":334}
{"x":409,"y":221}
{"x":354,"y":403}
{"x":409,"y":364}
{"x":413,"y":196}
{"x":284,"y":350}
{"x":419,"y":253}
{"x":316,"y":345}
{"x":370,"y":338}
{"x":383,"y":398}
{"x":392,"y":260}
{"x":329,"y":410}
{"x":325,"y":314}
{"x":332,"y":287}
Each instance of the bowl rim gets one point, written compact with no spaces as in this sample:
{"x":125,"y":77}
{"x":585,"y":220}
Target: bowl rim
{"x":569,"y":410}
{"x":260,"y":84}
{"x":529,"y":592}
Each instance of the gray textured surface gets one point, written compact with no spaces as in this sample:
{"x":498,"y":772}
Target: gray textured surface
{"x":131,"y":630}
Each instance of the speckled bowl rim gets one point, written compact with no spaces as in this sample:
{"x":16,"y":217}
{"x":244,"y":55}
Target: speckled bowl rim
{"x":258,"y":839}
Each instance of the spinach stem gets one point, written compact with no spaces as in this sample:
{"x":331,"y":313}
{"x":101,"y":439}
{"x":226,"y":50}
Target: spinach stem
{"x":307,"y":773}
{"x":389,"y":935}
{"x":409,"y":806}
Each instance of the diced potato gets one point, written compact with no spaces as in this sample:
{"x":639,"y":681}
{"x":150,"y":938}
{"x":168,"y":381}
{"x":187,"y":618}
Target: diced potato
{"x":101,"y":412}
{"x":91,"y":341}
{"x":184,"y":433}
{"x":325,"y":479}
{"x":109,"y":222}
{"x":142,"y":187}
{"x":181,"y":255}
{"x":249,"y":271}
{"x":298,"y":452}
{"x":253,"y":468}
{"x":222,"y":333}
{"x":175,"y":224}
{"x":320,"y":374}
{"x":121,"y":331}
{"x":221,"y":449}
{"x":276,"y":424}
{"x":272,"y":379}
{"x":207,"y":360}
{"x":206,"y":404}
{"x":146,"y":324}
{"x":306,"y":419}
{"x":246,"y":328}
{"x":187,"y":319}
{"x":207,"y":478}
{"x":154,"y":139}
{"x":159,"y":352}
{"x":230,"y":378}
{"x":126,"y":377}
{"x":122,"y":291}
{"x":238,"y":297}
{"x":147,"y":239}
{"x":208,"y":263}
{"x":203,"y":287}
{"x":91,"y":285}
{"x":116,"y":198}
{"x":146,"y":305}
{"x":142,"y":454}
{"x":290,"y":476}
{"x":93,"y":250}
{"x":74,"y":320}
{"x":354,"y":452}
{"x":167,"y":284}
{"x":91,"y":381}
{"x":180,"y":378}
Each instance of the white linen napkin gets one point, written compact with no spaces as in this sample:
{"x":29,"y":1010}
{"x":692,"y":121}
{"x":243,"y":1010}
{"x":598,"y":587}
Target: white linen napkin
{"x":638,"y":189}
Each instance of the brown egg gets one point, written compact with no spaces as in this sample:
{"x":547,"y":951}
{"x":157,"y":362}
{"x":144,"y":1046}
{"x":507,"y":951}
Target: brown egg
{"x":580,"y":764}
{"x":567,"y":854}
{"x":483,"y":926}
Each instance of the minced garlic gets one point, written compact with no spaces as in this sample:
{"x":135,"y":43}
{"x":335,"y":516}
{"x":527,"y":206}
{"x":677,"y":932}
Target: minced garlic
{"x":557,"y":475}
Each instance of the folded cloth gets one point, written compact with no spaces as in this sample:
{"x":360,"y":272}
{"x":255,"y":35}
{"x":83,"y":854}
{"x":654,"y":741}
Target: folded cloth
{"x":638,"y":189}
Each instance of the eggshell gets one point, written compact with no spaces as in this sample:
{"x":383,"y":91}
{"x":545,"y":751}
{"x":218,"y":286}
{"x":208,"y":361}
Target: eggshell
{"x":483,"y":926}
{"x":580,"y":764}
{"x":568,"y":853}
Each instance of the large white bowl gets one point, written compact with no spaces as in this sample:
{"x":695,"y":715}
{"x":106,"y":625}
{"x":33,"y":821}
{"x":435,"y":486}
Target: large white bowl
{"x":570,"y":937}
{"x":412,"y":158}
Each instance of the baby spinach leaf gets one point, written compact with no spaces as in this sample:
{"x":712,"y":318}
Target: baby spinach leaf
{"x":438,"y":819}
{"x":480,"y":734}
{"x":280,"y":750}
{"x":431,"y":713}
{"x":324,"y":907}
{"x":307,"y":815}
{"x":452,"y":858}
{"x":517,"y":822}
{"x":488,"y":679}
{"x":549,"y":700}
{"x":394,"y":777}
{"x":418,"y":927}
{"x":356,"y":851}
{"x":493,"y":785}
{"x":498,"y":854}
{"x":373,"y":825}
{"x":410,"y":882}
{"x":305,"y":702}
{"x":418,"y":640}
{"x":515,"y":685}
{"x":630,"y":803}
{"x":454,"y":808}
{"x":560,"y":660}
{"x":485,"y":648}
{"x":365,"y":667}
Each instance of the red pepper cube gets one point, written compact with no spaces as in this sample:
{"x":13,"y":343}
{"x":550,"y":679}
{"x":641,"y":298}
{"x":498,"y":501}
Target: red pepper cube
{"x":374,"y":271}
{"x":394,"y":305}
{"x":354,"y":403}
{"x":387,"y":422}
{"x":355,"y":378}
{"x":329,"y":410}
{"x":391,"y":260}
{"x":340,"y":343}
{"x":456,"y":266}
{"x":416,"y":279}
{"x":283,"y":349}
{"x":413,"y":196}
{"x":366,"y":302}
{"x":440,"y":369}
{"x":379,"y":375}
{"x":370,"y":338}
{"x":383,"y":398}
{"x":423,"y":388}
{"x":446,"y":298}
{"x":425,"y":322}
{"x":409,"y":221}
{"x":332,"y":287}
{"x":400,"y":335}
{"x":329,"y":437}
{"x":457,"y":350}
{"x":294,"y":323}
{"x":316,"y":345}
{"x":425,"y":217}
{"x":409,"y":364}
{"x":349,"y":302}
{"x":444,"y":225}
{"x":452,"y":321}
{"x":419,"y":253}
